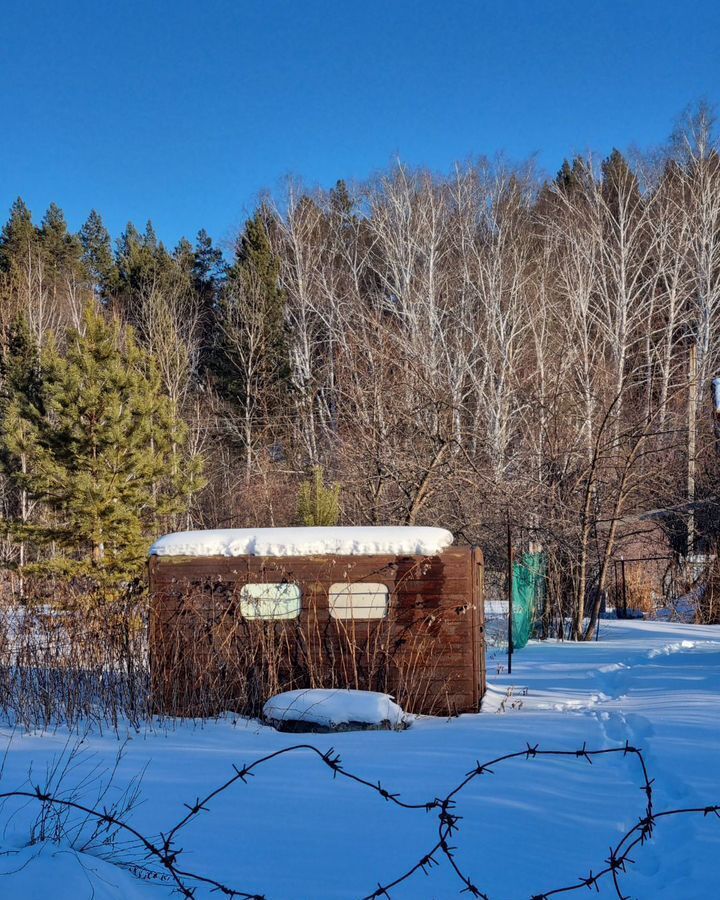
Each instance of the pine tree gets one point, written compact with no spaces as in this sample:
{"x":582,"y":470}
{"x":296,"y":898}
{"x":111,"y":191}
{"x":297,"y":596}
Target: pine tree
{"x":108,"y":455}
{"x":18,"y":237}
{"x":20,"y":366}
{"x":208,"y":272}
{"x":254,"y":255}
{"x":619,"y":184}
{"x":318,"y":503}
{"x":141,"y":259}
{"x":184,"y":258}
{"x":20,"y":411}
{"x":251,"y":324}
{"x":573,"y":178}
{"x":208,"y":267}
{"x":341,"y":203}
{"x":98,"y":255}
{"x":61,"y":250}
{"x":257,"y":271}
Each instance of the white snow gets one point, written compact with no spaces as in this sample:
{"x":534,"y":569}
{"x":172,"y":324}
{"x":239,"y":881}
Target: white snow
{"x":45,"y":871}
{"x":294,"y":831}
{"x":331,"y":708}
{"x":400,"y":540}
{"x":676,"y":647}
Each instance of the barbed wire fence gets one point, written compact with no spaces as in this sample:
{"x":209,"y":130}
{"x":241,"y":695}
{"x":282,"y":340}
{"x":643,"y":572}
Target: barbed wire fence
{"x":163,"y":852}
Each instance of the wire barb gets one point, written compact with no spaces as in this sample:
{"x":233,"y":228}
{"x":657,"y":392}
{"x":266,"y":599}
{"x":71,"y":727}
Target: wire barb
{"x":168,"y":856}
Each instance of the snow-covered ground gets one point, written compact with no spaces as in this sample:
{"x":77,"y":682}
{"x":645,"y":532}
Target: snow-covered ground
{"x":295,"y":832}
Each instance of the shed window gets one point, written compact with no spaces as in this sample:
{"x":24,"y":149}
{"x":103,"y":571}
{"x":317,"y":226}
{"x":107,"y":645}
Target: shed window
{"x":358,"y":601}
{"x":270,"y":601}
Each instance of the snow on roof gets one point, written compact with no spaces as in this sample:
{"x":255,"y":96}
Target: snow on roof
{"x":333,"y":707}
{"x":341,"y":541}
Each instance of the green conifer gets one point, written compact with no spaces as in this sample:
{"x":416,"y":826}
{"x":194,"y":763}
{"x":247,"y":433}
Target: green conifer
{"x":619,"y":183}
{"x":318,"y":503}
{"x":18,"y":236}
{"x":98,"y":255}
{"x":107,"y":455}
{"x":208,"y":267}
{"x":61,"y":250}
{"x":184,"y":258}
{"x":250,"y":356}
{"x":20,"y":411}
{"x":141,"y":260}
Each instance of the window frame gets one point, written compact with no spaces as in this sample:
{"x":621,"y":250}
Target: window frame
{"x":340,"y":588}
{"x":246,"y":600}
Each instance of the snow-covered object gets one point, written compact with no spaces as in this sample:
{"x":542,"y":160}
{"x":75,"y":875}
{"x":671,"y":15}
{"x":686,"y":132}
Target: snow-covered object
{"x":342,"y":541}
{"x":333,"y":708}
{"x":716,"y":394}
{"x":59,"y":872}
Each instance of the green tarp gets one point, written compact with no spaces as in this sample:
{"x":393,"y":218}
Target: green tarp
{"x":528,"y":596}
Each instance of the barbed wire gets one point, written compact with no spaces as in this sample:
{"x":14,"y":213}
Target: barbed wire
{"x":165,"y":852}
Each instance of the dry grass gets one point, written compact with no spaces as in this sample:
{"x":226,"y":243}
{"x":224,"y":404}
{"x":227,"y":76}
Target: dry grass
{"x":64,"y":664}
{"x":708,"y":605}
{"x":208,"y":659}
{"x":638,"y":591}
{"x":71,"y":662}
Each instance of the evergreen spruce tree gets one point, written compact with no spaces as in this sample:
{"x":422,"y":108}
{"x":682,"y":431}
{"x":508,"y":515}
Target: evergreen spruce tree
{"x":341,"y":203}
{"x":107,"y":455}
{"x":20,"y":411}
{"x":208,"y":267}
{"x":619,"y":183}
{"x":254,"y":255}
{"x":318,"y":503}
{"x":98,"y":255}
{"x":564,"y":177}
{"x":207,"y":274}
{"x":18,"y":236}
{"x":573,"y":177}
{"x":184,"y":258}
{"x":62,"y":251}
{"x":20,"y":367}
{"x":141,"y":259}
{"x":253,"y":279}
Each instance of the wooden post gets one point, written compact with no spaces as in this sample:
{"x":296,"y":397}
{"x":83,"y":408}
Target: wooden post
{"x":511,"y":558}
{"x":692,"y":420}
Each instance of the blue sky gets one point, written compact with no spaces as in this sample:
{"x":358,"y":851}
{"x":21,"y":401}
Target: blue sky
{"x":184,"y":110}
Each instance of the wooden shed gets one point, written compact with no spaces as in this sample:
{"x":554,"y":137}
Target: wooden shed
{"x":240,"y":614}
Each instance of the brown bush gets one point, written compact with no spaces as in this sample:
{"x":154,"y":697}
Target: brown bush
{"x":208,"y":659}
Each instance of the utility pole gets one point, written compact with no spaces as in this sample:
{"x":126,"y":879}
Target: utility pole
{"x":692,"y":422}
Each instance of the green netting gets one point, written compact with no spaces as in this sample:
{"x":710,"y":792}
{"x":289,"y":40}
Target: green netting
{"x":528,"y":595}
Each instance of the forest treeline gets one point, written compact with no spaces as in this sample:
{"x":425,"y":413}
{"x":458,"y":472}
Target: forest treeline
{"x":463,"y":350}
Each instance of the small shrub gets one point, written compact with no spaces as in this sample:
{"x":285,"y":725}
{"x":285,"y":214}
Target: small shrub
{"x":318,"y":503}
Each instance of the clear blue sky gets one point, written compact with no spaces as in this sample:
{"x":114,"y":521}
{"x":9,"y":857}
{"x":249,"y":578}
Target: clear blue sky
{"x":184,"y":110}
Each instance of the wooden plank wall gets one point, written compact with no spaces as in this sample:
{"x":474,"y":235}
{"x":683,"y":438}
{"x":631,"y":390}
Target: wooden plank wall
{"x":435,"y":620}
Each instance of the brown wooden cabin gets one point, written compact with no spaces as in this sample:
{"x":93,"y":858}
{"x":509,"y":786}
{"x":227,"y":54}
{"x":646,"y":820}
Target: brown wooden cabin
{"x":410,"y":626}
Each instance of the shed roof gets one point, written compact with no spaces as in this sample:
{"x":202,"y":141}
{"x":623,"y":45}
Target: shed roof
{"x":397,"y":540}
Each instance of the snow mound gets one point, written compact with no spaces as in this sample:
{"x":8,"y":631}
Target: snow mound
{"x":676,"y":647}
{"x":334,"y":709}
{"x":342,"y":541}
{"x":58,"y":871}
